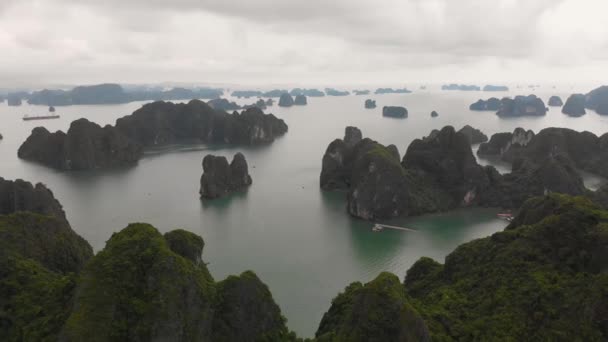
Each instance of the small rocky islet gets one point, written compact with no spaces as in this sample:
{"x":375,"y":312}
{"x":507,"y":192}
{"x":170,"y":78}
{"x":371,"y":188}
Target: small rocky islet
{"x":87,"y":145}
{"x":220,"y":179}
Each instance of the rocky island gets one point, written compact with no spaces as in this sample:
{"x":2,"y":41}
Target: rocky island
{"x":555,"y":101}
{"x":440,"y":172}
{"x":148,"y":286}
{"x":307,"y":92}
{"x":89,"y":146}
{"x":492,"y":104}
{"x":394,"y":112}
{"x":361,"y":92}
{"x":434,"y":114}
{"x":370,"y":104}
{"x":220,"y":178}
{"x":14,"y":100}
{"x":597,"y":100}
{"x":300,"y":100}
{"x":522,"y":106}
{"x":575,"y":105}
{"x":286,"y":100}
{"x":334,"y":92}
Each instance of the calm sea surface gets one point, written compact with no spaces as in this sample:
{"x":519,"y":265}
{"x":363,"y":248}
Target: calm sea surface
{"x":298,"y":239}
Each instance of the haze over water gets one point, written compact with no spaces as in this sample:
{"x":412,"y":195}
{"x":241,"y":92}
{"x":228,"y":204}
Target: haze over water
{"x":298,"y":239}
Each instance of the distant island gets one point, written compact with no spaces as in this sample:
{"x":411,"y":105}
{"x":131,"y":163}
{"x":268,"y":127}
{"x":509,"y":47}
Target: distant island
{"x":334,"y":92}
{"x":115,"y":94}
{"x":462,"y":87}
{"x":307,"y":92}
{"x":87,"y":145}
{"x":495,"y":88}
{"x":394,"y":111}
{"x":392,"y":91}
{"x":361,"y":92}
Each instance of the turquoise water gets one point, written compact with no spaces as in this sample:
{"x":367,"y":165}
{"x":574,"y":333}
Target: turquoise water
{"x":299,"y":240}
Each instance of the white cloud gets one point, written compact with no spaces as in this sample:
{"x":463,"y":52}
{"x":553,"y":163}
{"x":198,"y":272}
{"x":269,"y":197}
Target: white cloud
{"x":301,"y":42}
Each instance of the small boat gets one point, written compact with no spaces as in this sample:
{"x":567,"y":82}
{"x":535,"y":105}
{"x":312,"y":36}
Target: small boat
{"x":377,"y":228}
{"x":40,"y":117}
{"x":506,"y":216}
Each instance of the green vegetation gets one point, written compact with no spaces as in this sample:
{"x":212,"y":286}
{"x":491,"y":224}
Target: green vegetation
{"x":138,"y":289}
{"x":540,"y":281}
{"x":376,"y":311}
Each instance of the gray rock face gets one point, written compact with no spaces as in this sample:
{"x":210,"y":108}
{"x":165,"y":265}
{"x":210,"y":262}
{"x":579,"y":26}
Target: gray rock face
{"x":506,"y":144}
{"x":474,"y":135}
{"x":220,"y":178}
{"x":20,"y":195}
{"x":86,"y":146}
{"x":555,"y":101}
{"x":597,"y":99}
{"x":89,"y":146}
{"x":286,"y":100}
{"x":300,"y":100}
{"x":394,"y":112}
{"x":352,"y":136}
{"x":575,"y":105}
{"x":522,"y":106}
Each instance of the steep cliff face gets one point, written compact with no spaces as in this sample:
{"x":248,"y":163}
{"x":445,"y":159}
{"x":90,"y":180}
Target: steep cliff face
{"x":20,"y":195}
{"x":474,"y":135}
{"x":220,"y":178}
{"x":85,"y":146}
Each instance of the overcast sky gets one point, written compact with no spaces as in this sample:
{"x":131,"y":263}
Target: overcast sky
{"x":302,"y":42}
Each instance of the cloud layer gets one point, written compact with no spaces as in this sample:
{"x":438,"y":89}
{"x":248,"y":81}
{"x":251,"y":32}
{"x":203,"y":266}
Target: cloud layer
{"x":301,"y":42}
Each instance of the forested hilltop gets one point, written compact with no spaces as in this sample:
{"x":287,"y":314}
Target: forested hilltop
{"x":542,"y":278}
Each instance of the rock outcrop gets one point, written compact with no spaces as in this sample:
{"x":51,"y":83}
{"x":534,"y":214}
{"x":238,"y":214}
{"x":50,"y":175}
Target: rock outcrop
{"x":575,"y":105}
{"x":474,"y":135}
{"x":492,"y":104}
{"x":223,"y":104}
{"x":555,"y":101}
{"x":506,"y":144}
{"x":220,"y":178}
{"x":300,"y":100}
{"x":286,"y":100}
{"x":522,"y":106}
{"x":394,"y":112}
{"x":87,"y":145}
{"x":597,"y":100}
{"x":434,"y":114}
{"x":19,"y":195}
{"x":377,"y":311}
{"x":370,"y":104}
